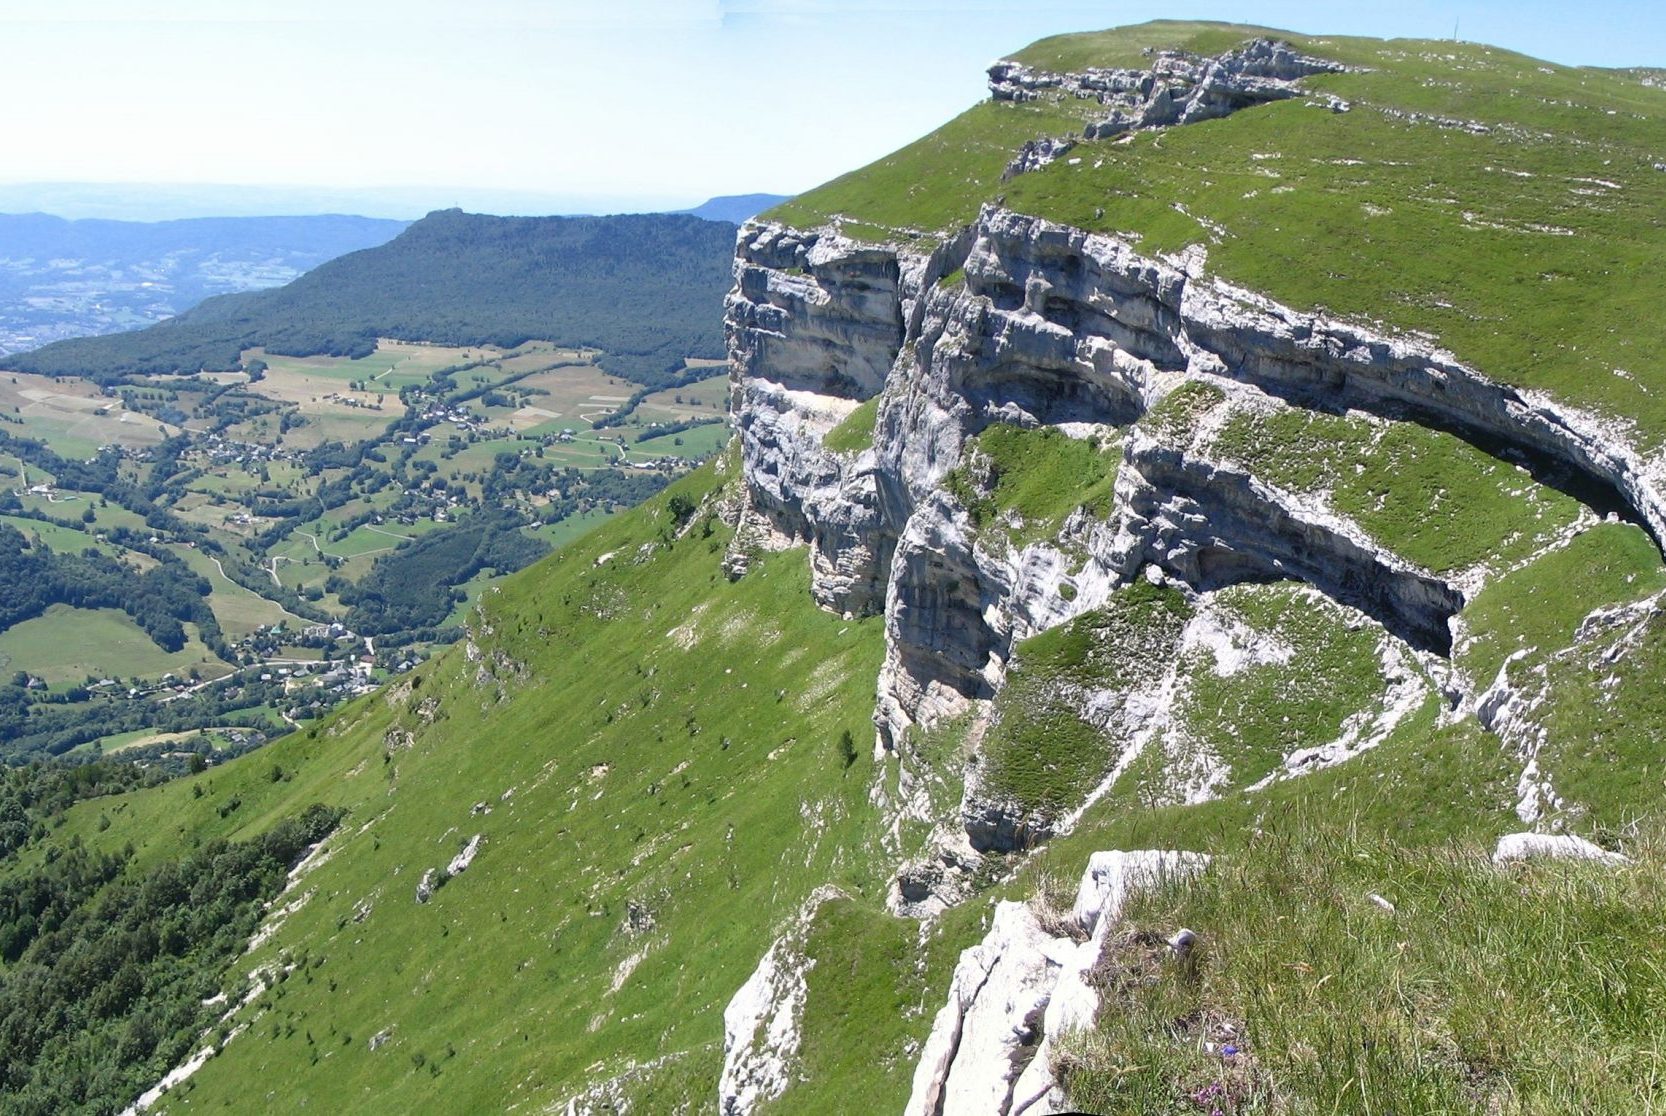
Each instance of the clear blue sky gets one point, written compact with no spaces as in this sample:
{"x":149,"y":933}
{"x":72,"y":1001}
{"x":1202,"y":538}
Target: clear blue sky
{"x":620,"y":103}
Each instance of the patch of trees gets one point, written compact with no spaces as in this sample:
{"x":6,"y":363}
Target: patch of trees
{"x":100,"y":473}
{"x":569,"y":491}
{"x":646,"y":289}
{"x":161,"y":600}
{"x":605,"y":491}
{"x":35,"y":796}
{"x":107,"y":965}
{"x":416,"y":585}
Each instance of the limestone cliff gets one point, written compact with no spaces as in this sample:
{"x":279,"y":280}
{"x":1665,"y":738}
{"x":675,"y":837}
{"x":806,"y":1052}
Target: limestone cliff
{"x":1052,"y":326}
{"x":1017,"y":321}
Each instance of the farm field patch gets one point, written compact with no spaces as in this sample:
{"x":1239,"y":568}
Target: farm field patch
{"x":67,"y":644}
{"x":73,"y":416}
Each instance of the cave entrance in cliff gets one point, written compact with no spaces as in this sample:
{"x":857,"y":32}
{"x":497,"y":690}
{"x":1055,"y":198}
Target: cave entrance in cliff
{"x":1418,"y":615}
{"x":1219,"y":567}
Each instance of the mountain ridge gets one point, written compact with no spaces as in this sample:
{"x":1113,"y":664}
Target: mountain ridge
{"x":734,"y":208}
{"x":1205,"y":664}
{"x":343,"y":306}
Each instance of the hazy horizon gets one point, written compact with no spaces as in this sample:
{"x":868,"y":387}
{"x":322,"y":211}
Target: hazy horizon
{"x":169,"y":201}
{"x":542,"y":106}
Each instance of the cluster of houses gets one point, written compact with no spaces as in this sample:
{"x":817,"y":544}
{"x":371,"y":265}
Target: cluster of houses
{"x":221,"y":450}
{"x":352,"y":401}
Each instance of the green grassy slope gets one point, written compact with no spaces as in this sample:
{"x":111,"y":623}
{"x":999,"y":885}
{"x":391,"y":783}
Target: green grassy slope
{"x":659,"y":752}
{"x":1505,"y":244}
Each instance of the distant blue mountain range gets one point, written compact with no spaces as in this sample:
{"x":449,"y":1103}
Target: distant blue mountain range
{"x":62,"y":279}
{"x":735,"y":208}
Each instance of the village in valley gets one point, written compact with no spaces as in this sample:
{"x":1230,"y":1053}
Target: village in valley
{"x":308,"y":497}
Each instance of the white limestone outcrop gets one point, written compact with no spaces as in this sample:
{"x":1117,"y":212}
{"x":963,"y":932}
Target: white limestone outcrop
{"x":760,"y":1030}
{"x":1179,"y":88}
{"x":1513,"y":847}
{"x":1013,"y":994}
{"x":761,"y":1022}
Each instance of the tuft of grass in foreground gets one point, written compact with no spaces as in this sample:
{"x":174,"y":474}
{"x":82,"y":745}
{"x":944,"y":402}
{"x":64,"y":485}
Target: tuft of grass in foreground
{"x":1536,"y":989}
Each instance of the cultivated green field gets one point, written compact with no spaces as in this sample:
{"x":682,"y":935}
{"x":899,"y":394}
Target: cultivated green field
{"x":570,"y":529}
{"x":698,"y":442}
{"x":65,"y":540}
{"x":72,"y":416}
{"x":68,"y":644}
{"x":239,"y":610}
{"x":707,"y":398}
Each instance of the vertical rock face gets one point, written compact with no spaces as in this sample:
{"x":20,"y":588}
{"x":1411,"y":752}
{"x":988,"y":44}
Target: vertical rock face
{"x":814,"y":325}
{"x":987,"y":1031}
{"x":1018,"y":321}
{"x":1056,"y":326}
{"x":1026,"y":322}
{"x":814,"y":311}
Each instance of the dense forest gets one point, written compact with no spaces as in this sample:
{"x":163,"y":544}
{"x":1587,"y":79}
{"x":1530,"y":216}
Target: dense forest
{"x":415,"y":586}
{"x":646,"y":289}
{"x":110,"y":969}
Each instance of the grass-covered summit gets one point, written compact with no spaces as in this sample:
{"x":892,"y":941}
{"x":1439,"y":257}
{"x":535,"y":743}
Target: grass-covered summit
{"x":1508,"y":206}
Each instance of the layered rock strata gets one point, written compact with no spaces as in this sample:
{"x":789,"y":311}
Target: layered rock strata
{"x":1212,"y":524}
{"x":1054,"y":326}
{"x":1178,"y":89}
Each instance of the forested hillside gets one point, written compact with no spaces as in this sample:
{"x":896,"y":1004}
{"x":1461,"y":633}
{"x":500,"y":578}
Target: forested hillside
{"x":646,"y":289}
